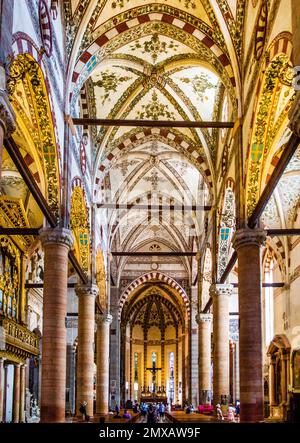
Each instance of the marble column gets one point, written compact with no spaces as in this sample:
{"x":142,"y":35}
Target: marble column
{"x":85,"y":351}
{"x":56,"y":243}
{"x":220,"y":294}
{"x":204,"y":353}
{"x":247,"y":243}
{"x":102,"y":387}
{"x":16,"y":394}
{"x":1,"y":387}
{"x":7,"y":115}
{"x":22,"y":394}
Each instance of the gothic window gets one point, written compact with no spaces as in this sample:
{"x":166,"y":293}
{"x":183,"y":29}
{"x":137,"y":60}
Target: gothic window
{"x":154,"y":358}
{"x":171,"y":376}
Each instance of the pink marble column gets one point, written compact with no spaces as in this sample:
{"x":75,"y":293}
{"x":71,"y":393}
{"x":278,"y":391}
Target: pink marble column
{"x":16,"y":394}
{"x":22,"y":394}
{"x":247,"y":243}
{"x":57,"y":243}
{"x":220,"y":294}
{"x":204,"y":352}
{"x":102,"y":393}
{"x":85,"y":351}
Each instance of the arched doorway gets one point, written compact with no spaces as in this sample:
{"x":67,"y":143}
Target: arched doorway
{"x":279,"y":355}
{"x":154,"y":346}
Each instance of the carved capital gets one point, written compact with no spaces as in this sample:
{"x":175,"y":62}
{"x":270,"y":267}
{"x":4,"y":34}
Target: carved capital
{"x":203,"y":318}
{"x":294,"y":116}
{"x":7,"y":115}
{"x":103,"y":319}
{"x":89,"y":290}
{"x":247,"y":237}
{"x":221,"y":290}
{"x":56,"y":236}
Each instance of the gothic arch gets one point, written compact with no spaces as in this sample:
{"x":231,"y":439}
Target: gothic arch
{"x":150,"y":277}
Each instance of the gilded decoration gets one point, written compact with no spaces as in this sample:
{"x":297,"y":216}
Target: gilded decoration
{"x":26,"y":71}
{"x":80,"y":226}
{"x":101,"y":279}
{"x":13,"y":214}
{"x":20,"y":343}
{"x":279,"y":74}
{"x":10,"y":278}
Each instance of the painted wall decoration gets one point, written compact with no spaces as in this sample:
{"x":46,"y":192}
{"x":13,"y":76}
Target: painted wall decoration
{"x":80,"y":227}
{"x":276,"y":97}
{"x":154,"y":46}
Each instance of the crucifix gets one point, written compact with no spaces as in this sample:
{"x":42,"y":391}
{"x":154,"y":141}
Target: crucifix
{"x":153,"y":371}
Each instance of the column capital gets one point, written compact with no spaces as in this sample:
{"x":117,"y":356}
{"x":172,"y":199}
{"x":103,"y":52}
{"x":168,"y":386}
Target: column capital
{"x":198,"y":256}
{"x":220,"y":289}
{"x":90,"y":290}
{"x":103,"y":318}
{"x":57,"y":235}
{"x":294,"y":116}
{"x":203,"y":318}
{"x":247,"y":236}
{"x":7,"y":115}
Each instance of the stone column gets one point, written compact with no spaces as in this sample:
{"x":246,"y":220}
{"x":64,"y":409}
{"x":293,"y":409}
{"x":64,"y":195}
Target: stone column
{"x":283,"y":378}
{"x":56,"y":243}
{"x":16,"y":397}
{"x":247,"y":243}
{"x":22,"y":394}
{"x":1,"y":387}
{"x":102,"y":387}
{"x":204,"y":333}
{"x":85,"y":351}
{"x":272,"y":382}
{"x":220,"y":294}
{"x":7,"y":115}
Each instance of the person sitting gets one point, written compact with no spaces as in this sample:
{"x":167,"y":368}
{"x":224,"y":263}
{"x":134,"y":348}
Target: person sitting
{"x":126,"y":414}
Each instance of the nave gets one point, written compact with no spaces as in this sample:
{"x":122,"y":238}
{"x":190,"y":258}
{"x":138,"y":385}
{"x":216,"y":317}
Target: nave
{"x":149,"y":208}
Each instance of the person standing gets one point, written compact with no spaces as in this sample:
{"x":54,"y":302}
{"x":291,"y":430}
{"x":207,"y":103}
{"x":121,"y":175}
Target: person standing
{"x":219,"y":412}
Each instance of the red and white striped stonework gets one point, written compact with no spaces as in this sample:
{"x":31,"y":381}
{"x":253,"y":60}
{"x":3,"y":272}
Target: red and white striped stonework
{"x":115,"y":31}
{"x":153,"y":276}
{"x":142,"y":135}
{"x":23,"y":44}
{"x":45,"y":27}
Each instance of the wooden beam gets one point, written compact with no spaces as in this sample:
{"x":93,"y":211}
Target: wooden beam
{"x":152,"y":123}
{"x":77,"y":267}
{"x":41,"y":285}
{"x":284,"y":160}
{"x":229,"y":267}
{"x":19,"y":231}
{"x":265,"y":285}
{"x":28,"y":178}
{"x":151,"y":254}
{"x":279,"y":232}
{"x":129,"y":206}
